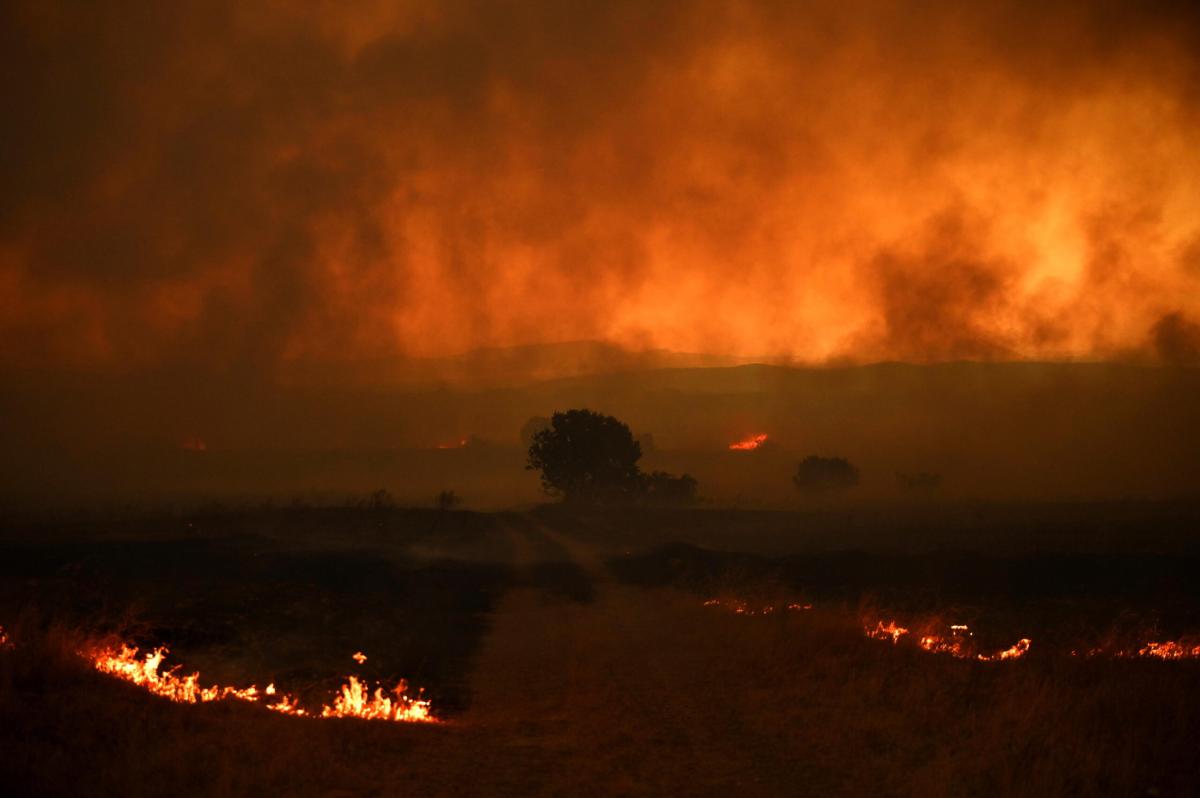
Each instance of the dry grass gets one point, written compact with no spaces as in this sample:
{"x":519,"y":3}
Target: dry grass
{"x":640,"y":692}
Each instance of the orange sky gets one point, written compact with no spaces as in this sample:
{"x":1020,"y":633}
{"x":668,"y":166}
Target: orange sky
{"x":230,"y":186}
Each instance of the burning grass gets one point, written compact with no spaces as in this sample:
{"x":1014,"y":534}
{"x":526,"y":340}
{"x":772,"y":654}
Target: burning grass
{"x":958,"y":641}
{"x":355,"y":699}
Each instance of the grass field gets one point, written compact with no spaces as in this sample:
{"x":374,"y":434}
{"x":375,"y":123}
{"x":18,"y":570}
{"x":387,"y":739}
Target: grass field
{"x":572,"y":654}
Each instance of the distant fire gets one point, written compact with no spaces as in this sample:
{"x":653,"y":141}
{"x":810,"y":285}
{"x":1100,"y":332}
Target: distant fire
{"x":1188,"y":648}
{"x":4,"y":641}
{"x":958,"y":643}
{"x":353,"y":700}
{"x":194,"y":443}
{"x":740,"y":607}
{"x":461,"y":443}
{"x":749,"y":444}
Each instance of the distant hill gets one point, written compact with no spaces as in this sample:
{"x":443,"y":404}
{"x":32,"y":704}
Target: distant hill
{"x":990,"y":430}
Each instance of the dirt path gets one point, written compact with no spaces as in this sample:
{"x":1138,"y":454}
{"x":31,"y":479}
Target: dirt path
{"x":615,"y":695}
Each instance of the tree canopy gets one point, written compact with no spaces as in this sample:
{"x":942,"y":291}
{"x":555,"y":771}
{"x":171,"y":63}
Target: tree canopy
{"x":587,"y":456}
{"x":816,"y":475}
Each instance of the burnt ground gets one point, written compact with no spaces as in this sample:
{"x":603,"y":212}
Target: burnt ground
{"x":570,"y":653}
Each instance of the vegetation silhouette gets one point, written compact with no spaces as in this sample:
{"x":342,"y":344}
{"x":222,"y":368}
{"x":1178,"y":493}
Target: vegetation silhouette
{"x":825,"y":475}
{"x":447,"y":500}
{"x":591,"y":458}
{"x":659,"y":487}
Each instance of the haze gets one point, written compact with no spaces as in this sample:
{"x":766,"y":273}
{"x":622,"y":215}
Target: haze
{"x":207,"y":207}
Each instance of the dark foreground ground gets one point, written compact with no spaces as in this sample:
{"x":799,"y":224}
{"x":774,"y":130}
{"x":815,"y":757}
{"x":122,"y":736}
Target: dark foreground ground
{"x":572,"y":654}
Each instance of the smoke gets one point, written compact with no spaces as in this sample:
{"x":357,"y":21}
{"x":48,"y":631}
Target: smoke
{"x":232,"y":186}
{"x":1177,"y":340}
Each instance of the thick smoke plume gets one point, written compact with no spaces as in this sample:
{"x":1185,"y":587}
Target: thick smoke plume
{"x":244,"y":186}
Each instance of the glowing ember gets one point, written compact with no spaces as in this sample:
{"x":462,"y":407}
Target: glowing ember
{"x":194,"y":443}
{"x":354,"y":699}
{"x":957,"y":644}
{"x":4,"y":640}
{"x":1169,"y":650}
{"x":749,"y":444}
{"x":740,"y":607}
{"x":1166,"y":650}
{"x":359,"y":657}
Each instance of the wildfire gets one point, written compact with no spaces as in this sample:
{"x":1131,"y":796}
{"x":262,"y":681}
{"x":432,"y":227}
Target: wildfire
{"x":957,"y":644}
{"x":889,"y":631}
{"x":354,"y":699}
{"x":1165,"y":650}
{"x":5,"y":642}
{"x":461,"y":443}
{"x":749,"y":444}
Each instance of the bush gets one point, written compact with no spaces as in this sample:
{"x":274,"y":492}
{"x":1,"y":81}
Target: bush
{"x":817,"y":475}
{"x":660,"y":487}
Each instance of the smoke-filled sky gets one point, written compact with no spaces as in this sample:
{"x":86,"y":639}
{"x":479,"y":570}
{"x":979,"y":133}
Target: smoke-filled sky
{"x":251,"y":185}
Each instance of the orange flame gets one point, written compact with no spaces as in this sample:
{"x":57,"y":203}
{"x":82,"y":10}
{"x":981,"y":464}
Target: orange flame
{"x":749,"y":444}
{"x":1169,"y":650}
{"x":353,"y":699}
{"x":888,"y":631}
{"x":1015,"y":651}
{"x":5,"y":642}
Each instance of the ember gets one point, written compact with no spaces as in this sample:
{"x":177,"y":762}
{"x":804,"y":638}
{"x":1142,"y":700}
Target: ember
{"x":740,"y":607}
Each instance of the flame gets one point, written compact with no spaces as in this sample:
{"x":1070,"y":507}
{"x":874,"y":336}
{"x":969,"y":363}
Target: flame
{"x":1015,"y":651}
{"x":5,"y":642}
{"x":957,"y":644}
{"x":461,"y":443}
{"x":1169,"y":650}
{"x":749,"y":444}
{"x":359,"y":657}
{"x":353,"y":700}
{"x":1189,"y":648}
{"x":888,"y":631}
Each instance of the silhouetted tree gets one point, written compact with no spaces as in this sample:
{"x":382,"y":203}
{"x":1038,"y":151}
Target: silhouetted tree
{"x":588,"y":457}
{"x":380,"y":500}
{"x":447,"y":500}
{"x":659,"y":487}
{"x":825,"y":475}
